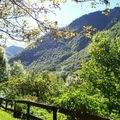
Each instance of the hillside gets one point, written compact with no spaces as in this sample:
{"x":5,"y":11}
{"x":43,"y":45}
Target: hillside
{"x":66,"y":54}
{"x":13,"y":50}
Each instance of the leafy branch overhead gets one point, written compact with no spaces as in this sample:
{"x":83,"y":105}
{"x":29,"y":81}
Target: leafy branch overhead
{"x":97,"y":1}
{"x":27,"y":20}
{"x":16,"y":17}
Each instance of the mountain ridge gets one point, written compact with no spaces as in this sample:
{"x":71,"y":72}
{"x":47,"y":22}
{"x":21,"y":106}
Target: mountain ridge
{"x":13,"y":50}
{"x":66,"y":54}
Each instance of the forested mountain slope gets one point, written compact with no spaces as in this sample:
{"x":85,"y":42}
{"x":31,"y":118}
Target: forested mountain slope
{"x":66,"y":54}
{"x":13,"y":50}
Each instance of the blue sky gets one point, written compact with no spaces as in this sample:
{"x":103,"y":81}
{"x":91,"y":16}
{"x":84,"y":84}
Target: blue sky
{"x":71,"y":10}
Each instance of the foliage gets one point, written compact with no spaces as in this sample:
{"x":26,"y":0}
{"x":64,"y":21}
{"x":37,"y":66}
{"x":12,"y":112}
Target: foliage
{"x":79,"y":101}
{"x":89,"y":30}
{"x":105,"y":64}
{"x":17,"y":69}
{"x":4,"y":67}
{"x":45,"y":87}
{"x":98,"y":86}
{"x":15,"y":16}
{"x":106,"y":12}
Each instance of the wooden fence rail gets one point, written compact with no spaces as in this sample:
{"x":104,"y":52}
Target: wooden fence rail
{"x":13,"y":103}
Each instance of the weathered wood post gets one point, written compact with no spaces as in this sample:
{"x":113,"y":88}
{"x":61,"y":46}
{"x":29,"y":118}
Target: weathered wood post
{"x":1,"y":101}
{"x":6,"y":104}
{"x":28,"y":111}
{"x":14,"y":113}
{"x":55,"y":114}
{"x":11,"y":104}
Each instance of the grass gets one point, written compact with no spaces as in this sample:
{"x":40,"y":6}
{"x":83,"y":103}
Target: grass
{"x":6,"y":116}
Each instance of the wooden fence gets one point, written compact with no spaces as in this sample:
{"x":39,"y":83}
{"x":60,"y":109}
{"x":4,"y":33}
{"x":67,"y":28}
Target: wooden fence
{"x":10,"y":105}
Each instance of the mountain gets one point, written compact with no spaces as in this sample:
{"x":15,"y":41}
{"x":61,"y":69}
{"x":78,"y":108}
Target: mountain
{"x":13,"y":50}
{"x":67,"y":54}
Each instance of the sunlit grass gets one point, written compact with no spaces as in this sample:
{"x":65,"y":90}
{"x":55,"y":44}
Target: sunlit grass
{"x":6,"y":116}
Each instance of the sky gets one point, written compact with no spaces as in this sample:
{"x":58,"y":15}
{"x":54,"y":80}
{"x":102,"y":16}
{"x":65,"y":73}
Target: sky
{"x":72,"y":10}
{"x":69,"y":12}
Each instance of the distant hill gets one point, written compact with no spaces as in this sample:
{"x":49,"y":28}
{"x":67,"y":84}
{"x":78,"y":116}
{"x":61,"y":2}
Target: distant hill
{"x":67,"y":54}
{"x":13,"y":50}
{"x":97,"y":20}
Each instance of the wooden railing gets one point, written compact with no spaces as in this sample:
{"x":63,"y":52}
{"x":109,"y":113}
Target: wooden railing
{"x":10,"y":105}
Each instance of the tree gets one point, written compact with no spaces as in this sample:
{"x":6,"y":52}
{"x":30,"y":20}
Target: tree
{"x":4,"y":67}
{"x":14,"y":15}
{"x":17,"y":69}
{"x":103,"y":69}
{"x":98,"y":89}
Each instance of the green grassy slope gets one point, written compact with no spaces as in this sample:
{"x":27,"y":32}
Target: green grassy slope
{"x":6,"y":116}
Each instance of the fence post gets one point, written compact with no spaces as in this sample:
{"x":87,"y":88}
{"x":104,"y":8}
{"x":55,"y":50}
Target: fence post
{"x":1,"y":101}
{"x":6,"y":104}
{"x":55,"y":114}
{"x":28,"y":110}
{"x":14,"y":113}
